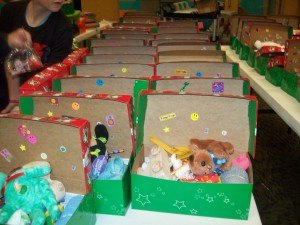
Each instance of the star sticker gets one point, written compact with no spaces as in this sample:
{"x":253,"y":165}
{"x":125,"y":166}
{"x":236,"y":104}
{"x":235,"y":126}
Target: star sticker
{"x":113,"y":207}
{"x":23,"y":148}
{"x":210,"y":199}
{"x":200,"y":191}
{"x":226,"y":200}
{"x":179,"y":204}
{"x":166,"y":129}
{"x":143,"y":199}
{"x":50,"y":114}
{"x":99,"y":196}
{"x":194,"y":212}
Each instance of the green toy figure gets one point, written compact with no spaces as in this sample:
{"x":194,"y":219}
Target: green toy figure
{"x":26,"y":189}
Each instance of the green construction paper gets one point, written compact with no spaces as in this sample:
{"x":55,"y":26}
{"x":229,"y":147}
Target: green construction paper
{"x":235,"y":70}
{"x":251,"y":58}
{"x":244,"y":52}
{"x":56,"y":85}
{"x":289,"y":83}
{"x":274,"y":75}
{"x":26,"y":105}
{"x":73,"y":70}
{"x":261,"y":64}
{"x":246,"y":87}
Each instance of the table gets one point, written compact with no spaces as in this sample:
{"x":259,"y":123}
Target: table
{"x":140,"y":217}
{"x":283,"y":104}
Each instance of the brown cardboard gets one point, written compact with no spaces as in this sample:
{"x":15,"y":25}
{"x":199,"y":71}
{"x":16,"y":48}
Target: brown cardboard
{"x":174,"y":30}
{"x":191,"y":55}
{"x":95,"y":109}
{"x":145,"y":37}
{"x":186,"y":46}
{"x":292,"y":62}
{"x":162,"y":41}
{"x":132,"y":25}
{"x":147,"y":50}
{"x":207,"y":69}
{"x":288,"y":20}
{"x":145,"y":20}
{"x":120,"y":58}
{"x":199,"y":36}
{"x":116,"y":42}
{"x":178,"y":23}
{"x":87,"y":84}
{"x":59,"y":141}
{"x":125,"y":69}
{"x":119,"y":31}
{"x":232,"y":86}
{"x":207,"y":6}
{"x":234,"y":22}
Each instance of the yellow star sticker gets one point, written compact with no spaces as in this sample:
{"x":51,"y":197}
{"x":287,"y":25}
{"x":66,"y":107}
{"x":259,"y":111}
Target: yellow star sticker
{"x":50,"y":114}
{"x":23,"y":148}
{"x":166,"y":129}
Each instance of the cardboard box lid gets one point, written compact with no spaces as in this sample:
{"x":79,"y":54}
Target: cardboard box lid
{"x":234,"y":22}
{"x":123,"y":31}
{"x":187,"y":46}
{"x":292,"y":55}
{"x":158,"y":42}
{"x":146,"y":20}
{"x":269,"y":32}
{"x":145,"y":37}
{"x":147,"y":50}
{"x":199,"y":69}
{"x":176,"y":118}
{"x":192,"y":55}
{"x":113,"y":69}
{"x":115,"y":42}
{"x":198,"y":36}
{"x":178,"y":23}
{"x":133,"y":25}
{"x":62,"y":142}
{"x":115,"y":112}
{"x":120,"y":58}
{"x":288,"y":20}
{"x":174,"y":30}
{"x":226,"y":86}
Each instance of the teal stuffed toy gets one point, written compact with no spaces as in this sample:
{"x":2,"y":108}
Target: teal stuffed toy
{"x":26,"y":189}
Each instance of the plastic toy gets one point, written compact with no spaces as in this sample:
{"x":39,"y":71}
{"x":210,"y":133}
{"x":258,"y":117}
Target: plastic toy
{"x":235,"y":175}
{"x":242,"y":161}
{"x":101,"y":137}
{"x":114,"y":169}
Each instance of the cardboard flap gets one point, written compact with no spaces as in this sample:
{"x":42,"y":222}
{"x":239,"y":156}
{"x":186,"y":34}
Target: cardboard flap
{"x":145,"y":37}
{"x":120,"y":58}
{"x":147,"y":50}
{"x":176,"y":118}
{"x":110,"y":69}
{"x":199,"y":69}
{"x":229,"y":86}
{"x":199,"y":36}
{"x":158,"y":42}
{"x":192,"y":55}
{"x":98,"y":84}
{"x":61,"y":142}
{"x":234,"y":22}
{"x":116,"y":42}
{"x":292,"y":54}
{"x":186,"y":46}
{"x":174,"y":30}
{"x":115,"y":112}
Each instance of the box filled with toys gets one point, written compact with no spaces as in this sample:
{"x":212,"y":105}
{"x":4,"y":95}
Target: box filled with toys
{"x":193,"y":152}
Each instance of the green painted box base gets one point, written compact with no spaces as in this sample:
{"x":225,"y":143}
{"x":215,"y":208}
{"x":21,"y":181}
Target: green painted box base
{"x":251,"y":58}
{"x":289,"y":83}
{"x":274,"y":75}
{"x":85,"y":213}
{"x":238,"y":47}
{"x":244,"y":52}
{"x":232,"y":42}
{"x":113,"y":196}
{"x":260,"y":64}
{"x":298,"y":93}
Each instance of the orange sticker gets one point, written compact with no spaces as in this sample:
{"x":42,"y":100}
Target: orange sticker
{"x":181,"y":71}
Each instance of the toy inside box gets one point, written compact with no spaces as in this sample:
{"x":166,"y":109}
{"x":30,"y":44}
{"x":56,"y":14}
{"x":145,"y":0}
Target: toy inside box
{"x":112,"y":42}
{"x":198,"y":69}
{"x":166,"y":123}
{"x":63,"y":142}
{"x":163,"y":41}
{"x":113,"y":69}
{"x":147,"y":50}
{"x":187,"y":46}
{"x":111,"y":151}
{"x":192,"y":56}
{"x":120,"y":58}
{"x":229,"y":86}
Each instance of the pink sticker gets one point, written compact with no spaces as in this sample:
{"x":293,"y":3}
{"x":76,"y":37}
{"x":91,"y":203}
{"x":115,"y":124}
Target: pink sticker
{"x":23,"y":131}
{"x":6,"y":155}
{"x":32,"y":139}
{"x":110,"y":120}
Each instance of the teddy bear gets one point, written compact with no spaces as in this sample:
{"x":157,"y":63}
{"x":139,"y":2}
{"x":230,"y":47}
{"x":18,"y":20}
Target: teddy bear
{"x":27,"y":189}
{"x":209,"y":156}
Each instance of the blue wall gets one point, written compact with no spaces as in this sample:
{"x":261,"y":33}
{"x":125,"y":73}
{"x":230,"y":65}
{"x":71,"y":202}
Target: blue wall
{"x":130,"y":4}
{"x":253,"y":7}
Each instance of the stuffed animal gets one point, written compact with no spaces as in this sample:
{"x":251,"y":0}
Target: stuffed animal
{"x":209,"y":156}
{"x":101,"y":138}
{"x":26,"y":189}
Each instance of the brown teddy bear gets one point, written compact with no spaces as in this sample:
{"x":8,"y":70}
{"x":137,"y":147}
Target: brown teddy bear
{"x":209,"y":156}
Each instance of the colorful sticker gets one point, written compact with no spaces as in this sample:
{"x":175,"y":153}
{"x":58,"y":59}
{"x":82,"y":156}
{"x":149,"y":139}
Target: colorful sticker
{"x":167,"y":116}
{"x":110,"y":120}
{"x":194,"y":116}
{"x":85,"y":135}
{"x":54,"y":101}
{"x":99,"y":82}
{"x":224,"y":132}
{"x":206,"y":130}
{"x":73,"y":168}
{"x":199,"y":74}
{"x":44,"y":156}
{"x":75,"y":106}
{"x":63,"y":149}
{"x":166,"y":129}
{"x":23,"y":131}
{"x":32,"y":139}
{"x":217,"y":87}
{"x":80,"y":91}
{"x":6,"y":155}
{"x":182,"y":89}
{"x":23,"y":148}
{"x":219,"y":74}
{"x":50,"y":114}
{"x":181,"y":71}
{"x":124,"y":70}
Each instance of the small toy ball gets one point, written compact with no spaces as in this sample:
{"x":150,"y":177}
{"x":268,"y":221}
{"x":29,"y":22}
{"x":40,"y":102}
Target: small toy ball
{"x":235,"y":175}
{"x":242,"y":161}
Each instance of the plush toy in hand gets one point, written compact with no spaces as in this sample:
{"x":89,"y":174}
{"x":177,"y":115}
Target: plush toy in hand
{"x":27,"y":190}
{"x":209,"y":156}
{"x":101,"y":137}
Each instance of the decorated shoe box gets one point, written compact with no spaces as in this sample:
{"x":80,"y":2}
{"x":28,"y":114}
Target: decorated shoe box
{"x":187,"y":46}
{"x":147,"y":50}
{"x":110,"y":187}
{"x":123,"y":31}
{"x":174,"y":118}
{"x":288,"y":20}
{"x":217,"y":86}
{"x":178,"y":23}
{"x":42,"y":81}
{"x":94,"y":42}
{"x":177,"y":29}
{"x":140,"y":19}
{"x":63,"y":142}
{"x":145,"y":37}
{"x":151,"y":28}
{"x":120,"y":58}
{"x":198,"y":69}
{"x":178,"y":41}
{"x":192,"y":56}
{"x":199,"y":36}
{"x":114,"y":69}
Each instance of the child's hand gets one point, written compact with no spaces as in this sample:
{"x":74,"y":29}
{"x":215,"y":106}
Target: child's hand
{"x":19,"y":38}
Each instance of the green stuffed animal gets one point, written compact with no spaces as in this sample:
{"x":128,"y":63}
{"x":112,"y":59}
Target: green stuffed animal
{"x":26,"y":189}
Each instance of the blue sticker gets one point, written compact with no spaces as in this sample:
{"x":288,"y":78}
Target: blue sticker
{"x":219,"y":74}
{"x":198,"y":74}
{"x":217,"y":87}
{"x":99,"y":82}
{"x":110,"y":120}
{"x":80,"y":91}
